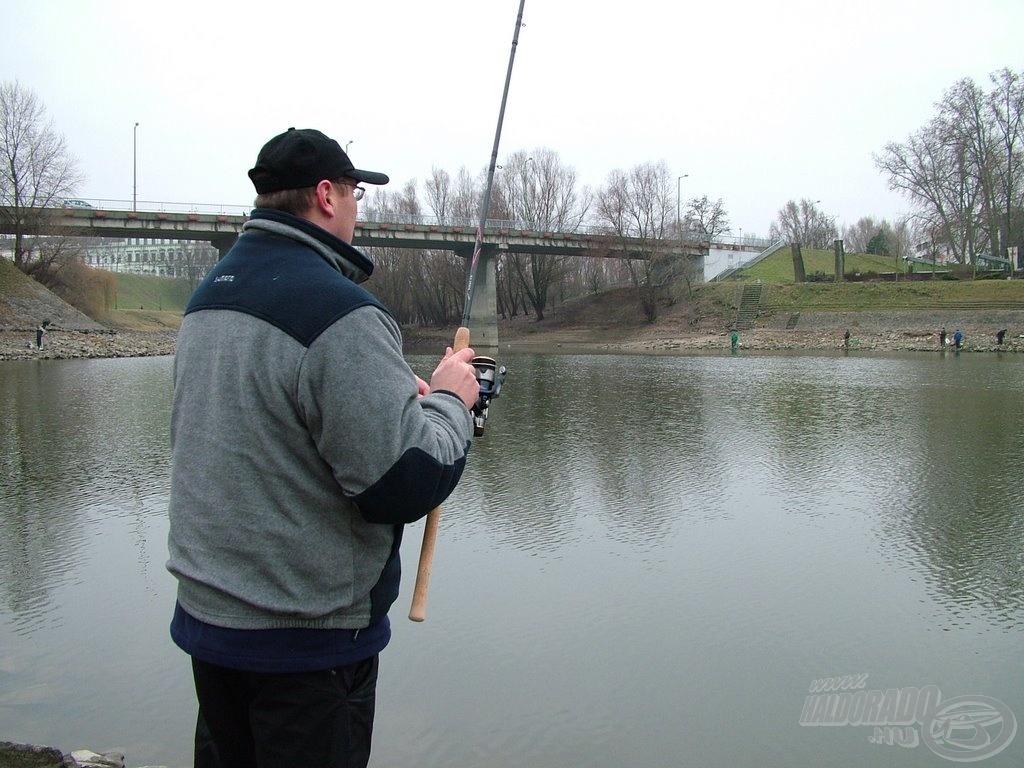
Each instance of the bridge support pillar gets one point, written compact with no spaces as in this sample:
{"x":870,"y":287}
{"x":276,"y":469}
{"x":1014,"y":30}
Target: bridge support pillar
{"x":223,"y":244}
{"x":483,"y":313}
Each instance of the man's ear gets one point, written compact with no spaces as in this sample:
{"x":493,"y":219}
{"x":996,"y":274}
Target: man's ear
{"x":326,"y":198}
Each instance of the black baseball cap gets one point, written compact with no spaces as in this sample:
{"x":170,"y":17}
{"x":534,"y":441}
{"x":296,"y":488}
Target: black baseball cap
{"x":301,"y":157}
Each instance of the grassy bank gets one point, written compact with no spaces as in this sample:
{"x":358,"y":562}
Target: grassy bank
{"x":927,"y":294}
{"x":147,"y":303}
{"x":939,"y":292}
{"x":854,"y":297}
{"x":146,"y":292}
{"x":778,"y":268}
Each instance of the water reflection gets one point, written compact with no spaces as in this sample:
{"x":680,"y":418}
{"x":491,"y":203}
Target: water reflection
{"x":633,"y":449}
{"x":79,"y":443}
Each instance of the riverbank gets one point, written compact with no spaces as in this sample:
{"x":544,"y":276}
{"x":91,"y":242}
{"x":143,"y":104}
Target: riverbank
{"x":61,"y":344}
{"x":869,"y":332}
{"x":884,"y":317}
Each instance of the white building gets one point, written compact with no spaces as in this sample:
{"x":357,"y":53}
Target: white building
{"x":151,"y":256}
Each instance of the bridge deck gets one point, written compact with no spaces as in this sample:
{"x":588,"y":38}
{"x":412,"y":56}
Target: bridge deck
{"x":222,"y":228}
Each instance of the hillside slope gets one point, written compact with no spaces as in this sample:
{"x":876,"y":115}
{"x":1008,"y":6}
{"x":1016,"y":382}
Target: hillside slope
{"x":24,"y":304}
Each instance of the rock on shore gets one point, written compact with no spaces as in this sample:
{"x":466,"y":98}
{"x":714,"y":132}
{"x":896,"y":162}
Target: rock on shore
{"x":14,"y":755}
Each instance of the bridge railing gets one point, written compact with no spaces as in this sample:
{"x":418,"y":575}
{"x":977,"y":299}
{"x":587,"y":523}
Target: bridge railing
{"x":768,"y":251}
{"x":743,"y":240}
{"x":459,"y":221}
{"x":526,"y":226}
{"x":229,"y":209}
{"x":154,"y":206}
{"x":151,"y":206}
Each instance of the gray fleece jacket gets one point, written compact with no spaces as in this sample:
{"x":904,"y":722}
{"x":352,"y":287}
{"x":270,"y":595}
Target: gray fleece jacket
{"x":299,"y":444}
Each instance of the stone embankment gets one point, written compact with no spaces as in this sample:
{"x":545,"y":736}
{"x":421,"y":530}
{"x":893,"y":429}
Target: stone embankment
{"x":71,"y":344}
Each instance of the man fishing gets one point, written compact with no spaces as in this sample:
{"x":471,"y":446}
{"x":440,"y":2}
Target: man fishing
{"x":301,"y":443}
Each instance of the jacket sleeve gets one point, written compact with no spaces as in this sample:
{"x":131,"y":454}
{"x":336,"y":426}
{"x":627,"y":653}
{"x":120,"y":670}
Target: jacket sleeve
{"x":397,"y":456}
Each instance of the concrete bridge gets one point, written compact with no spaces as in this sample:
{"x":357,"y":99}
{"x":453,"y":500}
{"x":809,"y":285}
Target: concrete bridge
{"x":398,"y":231}
{"x":221,"y":229}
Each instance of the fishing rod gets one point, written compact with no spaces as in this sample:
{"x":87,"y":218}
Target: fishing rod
{"x":488,"y":375}
{"x":486,"y":202}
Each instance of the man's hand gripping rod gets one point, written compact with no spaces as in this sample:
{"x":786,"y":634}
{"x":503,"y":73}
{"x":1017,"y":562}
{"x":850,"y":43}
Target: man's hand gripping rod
{"x":489,"y":377}
{"x":418,"y":611}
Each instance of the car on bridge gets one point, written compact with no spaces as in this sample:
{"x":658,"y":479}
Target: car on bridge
{"x":76,"y":204}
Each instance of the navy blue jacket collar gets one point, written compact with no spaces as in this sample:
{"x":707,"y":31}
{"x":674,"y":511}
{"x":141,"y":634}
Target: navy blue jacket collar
{"x":342,"y":256}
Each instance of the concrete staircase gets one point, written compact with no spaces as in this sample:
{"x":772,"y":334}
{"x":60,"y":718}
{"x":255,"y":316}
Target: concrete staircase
{"x":750,"y":305}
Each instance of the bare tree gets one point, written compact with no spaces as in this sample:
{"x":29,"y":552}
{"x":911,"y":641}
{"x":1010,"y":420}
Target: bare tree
{"x":869,"y":235}
{"x":538,"y":191}
{"x":458,"y":200}
{"x":37,"y":169}
{"x":394,"y":276}
{"x":194,"y":259}
{"x":439,"y":290}
{"x":927,"y":168}
{"x":965,"y":126}
{"x":803,"y":223}
{"x":1006,"y":104}
{"x":593,"y":275}
{"x":52,"y":259}
{"x":705,"y":217}
{"x":638,"y":205}
{"x":452,"y":199}
{"x":962,"y":171}
{"x":903,"y":237}
{"x":857,"y":236}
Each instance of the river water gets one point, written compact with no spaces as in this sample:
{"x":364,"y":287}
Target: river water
{"x":651,"y":561}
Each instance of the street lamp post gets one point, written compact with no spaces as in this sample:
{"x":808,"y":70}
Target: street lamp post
{"x":135,"y":165}
{"x":347,"y":144}
{"x":679,"y":219}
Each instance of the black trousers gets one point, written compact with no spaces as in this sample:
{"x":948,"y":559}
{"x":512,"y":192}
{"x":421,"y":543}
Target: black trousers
{"x":318,"y":719}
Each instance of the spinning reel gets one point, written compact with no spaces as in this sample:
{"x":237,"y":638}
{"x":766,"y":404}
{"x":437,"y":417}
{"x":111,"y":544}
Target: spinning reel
{"x":490,"y":378}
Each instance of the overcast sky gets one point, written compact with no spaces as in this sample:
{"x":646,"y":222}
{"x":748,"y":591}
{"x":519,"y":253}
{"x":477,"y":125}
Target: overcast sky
{"x":757,"y":103}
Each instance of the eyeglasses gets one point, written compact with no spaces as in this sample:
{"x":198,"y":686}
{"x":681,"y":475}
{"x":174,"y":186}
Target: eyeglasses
{"x":357,"y":191}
